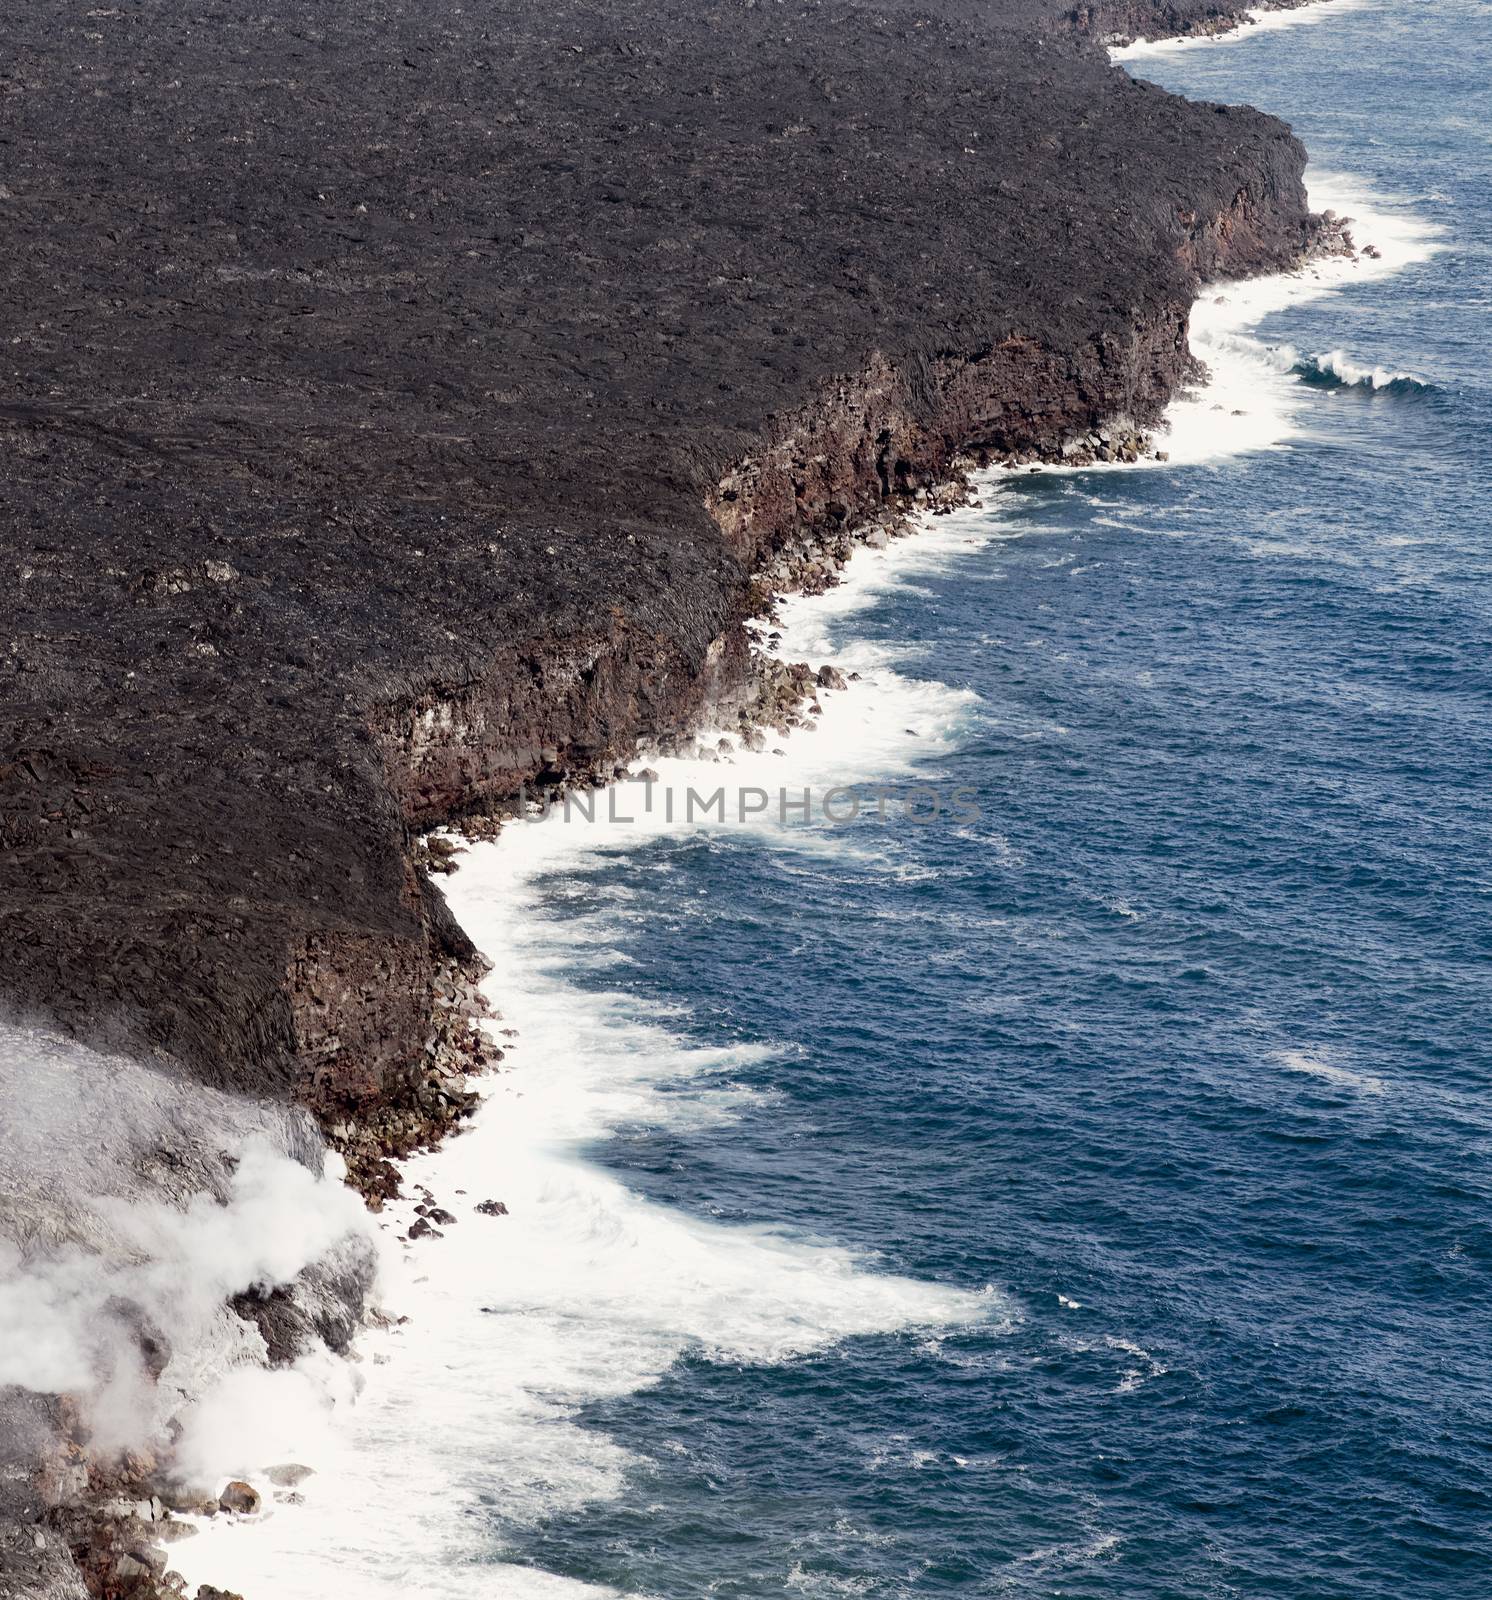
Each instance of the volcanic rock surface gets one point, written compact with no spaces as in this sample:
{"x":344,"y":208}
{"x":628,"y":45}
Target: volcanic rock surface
{"x":370,"y":379}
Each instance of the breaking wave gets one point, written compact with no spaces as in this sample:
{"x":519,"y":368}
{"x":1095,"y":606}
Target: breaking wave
{"x":1335,"y":369}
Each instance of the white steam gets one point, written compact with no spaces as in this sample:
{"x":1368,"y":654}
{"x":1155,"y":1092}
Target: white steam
{"x":105,"y":1327}
{"x":122,"y":1238}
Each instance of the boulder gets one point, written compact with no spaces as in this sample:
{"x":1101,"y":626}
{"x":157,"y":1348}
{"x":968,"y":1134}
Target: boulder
{"x":150,"y":1559}
{"x":240,"y":1497}
{"x":289,"y":1474}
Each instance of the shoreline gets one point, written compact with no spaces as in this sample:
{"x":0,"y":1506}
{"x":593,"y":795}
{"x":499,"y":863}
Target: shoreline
{"x":444,"y":1172}
{"x":854,"y":465}
{"x":1253,"y":20}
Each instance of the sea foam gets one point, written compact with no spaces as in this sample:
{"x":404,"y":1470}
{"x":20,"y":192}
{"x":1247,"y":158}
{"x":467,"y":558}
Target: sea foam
{"x":1260,"y":20}
{"x":465,"y":1430}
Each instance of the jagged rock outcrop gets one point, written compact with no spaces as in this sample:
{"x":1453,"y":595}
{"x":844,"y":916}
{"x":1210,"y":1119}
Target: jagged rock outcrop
{"x":1123,"y":21}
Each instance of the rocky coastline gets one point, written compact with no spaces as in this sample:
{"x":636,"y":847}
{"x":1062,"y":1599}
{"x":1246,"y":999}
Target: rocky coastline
{"x":254,"y":662}
{"x":1124,"y":22}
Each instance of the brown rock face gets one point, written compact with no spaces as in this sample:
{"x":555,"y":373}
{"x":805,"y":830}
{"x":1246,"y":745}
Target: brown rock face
{"x":241,"y":1498}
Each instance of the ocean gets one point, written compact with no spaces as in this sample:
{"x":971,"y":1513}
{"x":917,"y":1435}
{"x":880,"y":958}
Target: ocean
{"x":1076,"y":1181}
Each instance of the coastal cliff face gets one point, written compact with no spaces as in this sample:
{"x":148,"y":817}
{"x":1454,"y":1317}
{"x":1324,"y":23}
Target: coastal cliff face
{"x":409,"y":406}
{"x":1124,"y":21}
{"x":896,"y":432}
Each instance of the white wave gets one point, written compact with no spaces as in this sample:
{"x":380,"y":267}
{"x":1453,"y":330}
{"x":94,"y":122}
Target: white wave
{"x":801,"y":1581}
{"x":465,"y":1429}
{"x":1338,"y":365}
{"x":1089,"y":1549}
{"x":1255,"y":22}
{"x":1316,"y":1066}
{"x":1134,"y":1378}
{"x":1254,"y":398}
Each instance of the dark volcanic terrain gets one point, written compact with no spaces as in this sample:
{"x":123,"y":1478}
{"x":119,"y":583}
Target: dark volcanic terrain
{"x":399,"y":399}
{"x":367,"y":388}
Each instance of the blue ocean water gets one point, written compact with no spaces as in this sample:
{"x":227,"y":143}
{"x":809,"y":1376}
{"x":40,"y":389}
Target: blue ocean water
{"x":1182,"y":1047}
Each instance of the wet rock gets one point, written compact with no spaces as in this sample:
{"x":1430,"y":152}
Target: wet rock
{"x":239,"y":1497}
{"x":492,"y":1208}
{"x":191,"y":1504}
{"x":148,"y":1560}
{"x":289,"y":1474}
